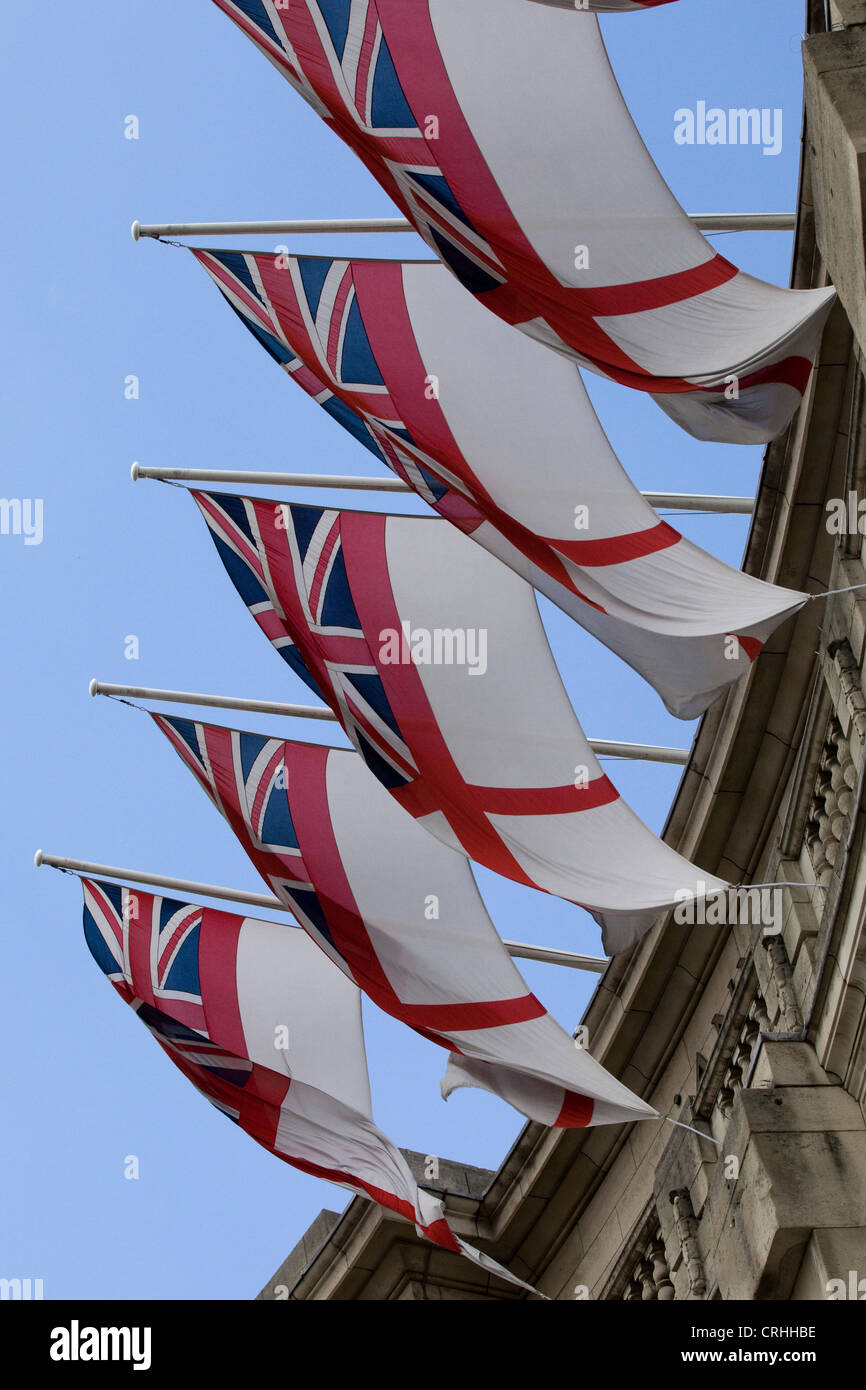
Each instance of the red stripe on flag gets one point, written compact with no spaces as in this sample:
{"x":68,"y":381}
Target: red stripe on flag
{"x":321,"y":651}
{"x":258,"y":36}
{"x":641,"y":296}
{"x":217,"y":965}
{"x":167,"y":950}
{"x":791,"y":371}
{"x":365,"y":58}
{"x":422,"y":798}
{"x":617,"y":550}
{"x":460,"y":1018}
{"x":263,"y":790}
{"x":306,"y":765}
{"x":336,"y":322}
{"x":315,"y":588}
{"x":382,"y":301}
{"x":142,"y":940}
{"x":309,"y":381}
{"x":109,"y":913}
{"x":367,"y":570}
{"x":750,"y":645}
{"x":230,"y":282}
{"x":569,"y":311}
{"x":311,"y":817}
{"x":576,"y":1111}
{"x":225,"y":526}
{"x":546,"y":801}
{"x":438,"y":1231}
{"x":434,"y":215}
{"x":270,"y":623}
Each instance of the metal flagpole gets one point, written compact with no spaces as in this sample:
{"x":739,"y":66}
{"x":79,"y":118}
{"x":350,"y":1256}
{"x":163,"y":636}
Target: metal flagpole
{"x":547,"y":954}
{"x":319,"y":226}
{"x":701,"y":502}
{"x":236,"y":475}
{"x":603,"y":747}
{"x":179,"y":885}
{"x":639,"y":752}
{"x":189,"y":697}
{"x":679,"y":501}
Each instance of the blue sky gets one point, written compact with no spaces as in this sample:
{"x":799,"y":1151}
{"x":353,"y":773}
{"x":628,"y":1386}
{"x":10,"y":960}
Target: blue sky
{"x":222,"y":136}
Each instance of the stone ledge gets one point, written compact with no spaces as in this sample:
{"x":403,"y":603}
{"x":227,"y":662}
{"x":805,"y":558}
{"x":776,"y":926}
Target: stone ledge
{"x":801,"y":1110}
{"x":788,"y":1064}
{"x":833,"y":1254}
{"x":835,"y":71}
{"x":850,"y":11}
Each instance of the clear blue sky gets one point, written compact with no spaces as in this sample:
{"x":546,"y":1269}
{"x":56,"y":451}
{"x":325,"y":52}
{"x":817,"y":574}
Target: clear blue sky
{"x":223,"y":136}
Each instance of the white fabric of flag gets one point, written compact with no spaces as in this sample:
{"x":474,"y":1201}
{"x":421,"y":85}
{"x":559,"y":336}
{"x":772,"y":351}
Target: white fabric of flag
{"x":260,"y":1022}
{"x":499,"y":129}
{"x":397,"y":912}
{"x":499,"y":436}
{"x":434,"y":658}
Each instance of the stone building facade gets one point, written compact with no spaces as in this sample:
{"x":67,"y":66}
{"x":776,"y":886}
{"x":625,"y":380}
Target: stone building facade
{"x":754,"y":1039}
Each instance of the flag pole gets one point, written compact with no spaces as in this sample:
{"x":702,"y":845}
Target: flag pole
{"x":177,"y":885}
{"x":190,"y":697}
{"x":240,"y":475}
{"x":321,"y":226}
{"x":603,"y":747}
{"x":679,"y":501}
{"x":546,"y":954}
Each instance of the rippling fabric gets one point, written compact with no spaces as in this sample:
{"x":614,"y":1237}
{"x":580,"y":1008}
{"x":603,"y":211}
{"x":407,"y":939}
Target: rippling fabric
{"x":499,"y":437}
{"x":499,"y":130}
{"x":434,"y":659}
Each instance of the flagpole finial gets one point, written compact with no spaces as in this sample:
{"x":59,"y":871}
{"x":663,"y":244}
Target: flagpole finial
{"x":93,"y":687}
{"x":37,"y":859}
{"x":136,"y":230}
{"x":134,"y":472}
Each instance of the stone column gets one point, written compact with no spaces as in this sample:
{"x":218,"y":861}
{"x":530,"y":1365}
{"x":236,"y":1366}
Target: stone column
{"x":835,"y":72}
{"x":798,"y":1145}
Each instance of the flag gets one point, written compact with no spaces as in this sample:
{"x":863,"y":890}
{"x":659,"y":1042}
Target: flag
{"x":462,"y":409}
{"x":399,"y":914}
{"x":434,"y":659}
{"x":499,"y":130}
{"x":255,"y":1017}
